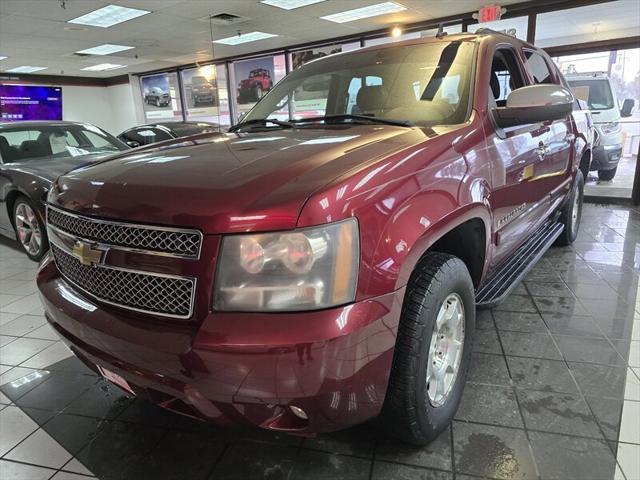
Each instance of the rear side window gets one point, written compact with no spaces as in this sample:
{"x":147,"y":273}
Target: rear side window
{"x":538,"y":68}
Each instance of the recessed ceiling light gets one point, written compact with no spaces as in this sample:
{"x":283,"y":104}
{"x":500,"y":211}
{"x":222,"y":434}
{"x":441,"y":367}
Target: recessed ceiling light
{"x":365,"y":12}
{"x":3,"y":58}
{"x":26,"y":69}
{"x":105,"y":49}
{"x":108,"y":16}
{"x":290,"y":4}
{"x":245,"y":38}
{"x":102,"y":67}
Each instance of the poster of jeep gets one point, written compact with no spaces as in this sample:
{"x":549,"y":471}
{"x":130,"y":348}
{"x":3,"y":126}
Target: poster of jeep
{"x":159,"y":96}
{"x":201,"y":95}
{"x":254,"y":78}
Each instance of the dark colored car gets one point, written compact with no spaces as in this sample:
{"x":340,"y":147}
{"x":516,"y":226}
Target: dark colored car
{"x":308,"y":274}
{"x":202,"y":92}
{"x":158,"y":97}
{"x":32,"y":155}
{"x":255,"y":86}
{"x":159,"y":132}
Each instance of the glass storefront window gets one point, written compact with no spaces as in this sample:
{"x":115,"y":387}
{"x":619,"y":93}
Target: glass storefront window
{"x":253,"y":78}
{"x":516,"y":27}
{"x":161,"y":97}
{"x":205,"y":94}
{"x":603,"y":21}
{"x":300,"y":57}
{"x":608,"y":83}
{"x":450,"y":30}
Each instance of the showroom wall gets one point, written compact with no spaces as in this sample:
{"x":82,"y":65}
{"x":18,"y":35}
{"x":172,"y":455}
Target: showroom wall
{"x":112,"y":108}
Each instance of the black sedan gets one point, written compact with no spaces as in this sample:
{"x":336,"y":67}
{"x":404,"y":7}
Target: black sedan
{"x":159,"y":132}
{"x":32,"y":156}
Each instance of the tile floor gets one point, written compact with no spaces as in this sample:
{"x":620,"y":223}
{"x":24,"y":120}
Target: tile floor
{"x":553,"y":392}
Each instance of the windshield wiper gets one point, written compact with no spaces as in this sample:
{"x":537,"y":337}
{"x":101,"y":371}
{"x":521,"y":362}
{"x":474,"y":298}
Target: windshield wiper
{"x":260,"y":122}
{"x":351,"y":118}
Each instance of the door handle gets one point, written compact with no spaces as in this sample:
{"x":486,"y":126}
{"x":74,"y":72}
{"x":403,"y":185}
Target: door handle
{"x":570,"y":137}
{"x":541,"y":150}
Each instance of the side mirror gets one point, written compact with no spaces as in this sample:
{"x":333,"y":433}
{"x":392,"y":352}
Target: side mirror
{"x":133,"y":144}
{"x":627,"y":106}
{"x":533,"y":104}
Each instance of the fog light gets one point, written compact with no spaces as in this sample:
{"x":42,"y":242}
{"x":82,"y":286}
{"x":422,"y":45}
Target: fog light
{"x":298,"y":412}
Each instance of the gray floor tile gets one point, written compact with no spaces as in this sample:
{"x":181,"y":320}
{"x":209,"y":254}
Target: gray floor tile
{"x":557,"y":413}
{"x":629,"y":350}
{"x":318,"y":465}
{"x":517,"y":303}
{"x":600,"y":380}
{"x":387,"y":471}
{"x":589,"y":350}
{"x":578,"y":325}
{"x":490,"y":369}
{"x":520,"y":322}
{"x":560,"y":457}
{"x":536,"y":345}
{"x":548,"y":289}
{"x":541,"y":374}
{"x":22,"y":325}
{"x":484,"y":320}
{"x":608,"y":413}
{"x":486,"y":341}
{"x":357,"y":441}
{"x":489,"y":404}
{"x":496,"y":452}
{"x":564,"y":305}
{"x":435,"y":455}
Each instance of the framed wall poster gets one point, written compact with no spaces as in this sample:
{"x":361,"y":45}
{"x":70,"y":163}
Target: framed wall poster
{"x":160,"y":96}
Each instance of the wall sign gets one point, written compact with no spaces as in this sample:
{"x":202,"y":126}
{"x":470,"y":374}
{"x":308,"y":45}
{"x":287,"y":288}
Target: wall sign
{"x":490,"y":13}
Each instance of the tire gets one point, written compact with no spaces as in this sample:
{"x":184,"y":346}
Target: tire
{"x":571,"y":213}
{"x":607,"y":175}
{"x":257,"y":92}
{"x":30,"y":229}
{"x":410,"y":412}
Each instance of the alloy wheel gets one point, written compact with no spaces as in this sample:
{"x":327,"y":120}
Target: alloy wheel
{"x":445,"y":350}
{"x":28,"y":229}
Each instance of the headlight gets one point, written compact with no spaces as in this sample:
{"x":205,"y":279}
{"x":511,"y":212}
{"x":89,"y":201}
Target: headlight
{"x":305,"y":269}
{"x":610,"y":127}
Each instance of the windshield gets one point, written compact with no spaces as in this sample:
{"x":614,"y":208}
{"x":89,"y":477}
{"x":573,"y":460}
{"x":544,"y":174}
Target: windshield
{"x":425,"y":84}
{"x":596,"y":92}
{"x":184,"y":130}
{"x":23,"y":143}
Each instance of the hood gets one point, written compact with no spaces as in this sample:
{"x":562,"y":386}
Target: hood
{"x":51,"y":168}
{"x":227,"y":182}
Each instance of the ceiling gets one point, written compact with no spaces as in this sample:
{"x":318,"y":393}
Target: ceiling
{"x":36,"y":32}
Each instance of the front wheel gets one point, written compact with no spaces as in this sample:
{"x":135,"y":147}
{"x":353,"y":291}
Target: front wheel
{"x":607,"y":175}
{"x":571,"y":213}
{"x":432,"y":352}
{"x":29,"y":228}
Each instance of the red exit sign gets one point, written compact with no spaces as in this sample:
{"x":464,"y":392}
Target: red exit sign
{"x":489,"y":14}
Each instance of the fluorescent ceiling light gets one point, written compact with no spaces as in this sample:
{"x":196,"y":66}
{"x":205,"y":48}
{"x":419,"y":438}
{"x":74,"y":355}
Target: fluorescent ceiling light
{"x":108,"y":16}
{"x":105,"y":49}
{"x":102,"y":67}
{"x":365,"y":12}
{"x":245,"y":38}
{"x":290,"y":4}
{"x":3,"y":58}
{"x":26,"y":69}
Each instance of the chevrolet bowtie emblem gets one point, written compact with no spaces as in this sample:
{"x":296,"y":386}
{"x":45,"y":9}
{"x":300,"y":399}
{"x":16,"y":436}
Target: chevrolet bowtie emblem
{"x":87,"y":254}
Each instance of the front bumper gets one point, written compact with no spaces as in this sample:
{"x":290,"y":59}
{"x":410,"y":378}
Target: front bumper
{"x":606,"y":157}
{"x":239,"y":368}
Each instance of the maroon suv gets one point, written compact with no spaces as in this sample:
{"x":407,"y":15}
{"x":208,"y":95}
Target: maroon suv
{"x":306,"y":274}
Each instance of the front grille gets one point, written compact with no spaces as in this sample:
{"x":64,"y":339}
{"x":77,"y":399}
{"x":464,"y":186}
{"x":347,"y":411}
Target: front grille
{"x":153,"y":294}
{"x":155,"y":239}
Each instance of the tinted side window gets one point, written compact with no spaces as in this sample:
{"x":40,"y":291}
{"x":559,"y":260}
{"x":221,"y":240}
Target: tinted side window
{"x":538,"y":68}
{"x":505,"y":76}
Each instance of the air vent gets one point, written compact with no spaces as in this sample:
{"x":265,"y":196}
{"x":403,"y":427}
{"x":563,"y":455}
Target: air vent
{"x":226,"y":19}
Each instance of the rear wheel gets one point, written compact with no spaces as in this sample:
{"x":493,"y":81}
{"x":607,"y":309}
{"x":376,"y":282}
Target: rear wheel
{"x":607,"y":175}
{"x":432,"y":352}
{"x":571,"y":213}
{"x":30,"y":230}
